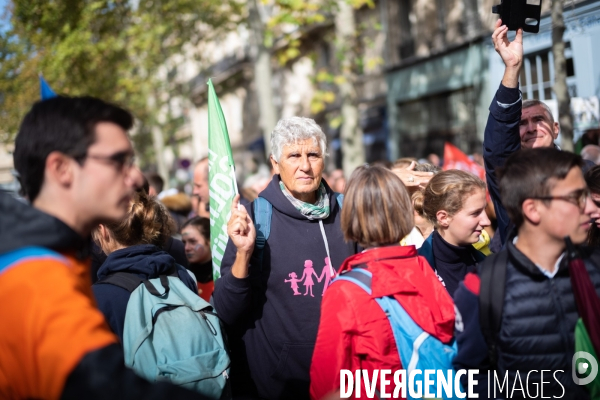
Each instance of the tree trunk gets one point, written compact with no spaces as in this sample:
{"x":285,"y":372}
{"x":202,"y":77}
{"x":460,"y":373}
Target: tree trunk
{"x":560,"y":76}
{"x":262,"y":75}
{"x":351,"y":135}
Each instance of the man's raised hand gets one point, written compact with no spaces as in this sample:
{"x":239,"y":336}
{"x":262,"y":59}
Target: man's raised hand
{"x":510,"y":52}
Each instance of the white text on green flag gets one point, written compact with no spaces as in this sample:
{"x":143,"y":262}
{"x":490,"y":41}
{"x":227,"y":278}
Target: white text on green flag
{"x":221,"y":175}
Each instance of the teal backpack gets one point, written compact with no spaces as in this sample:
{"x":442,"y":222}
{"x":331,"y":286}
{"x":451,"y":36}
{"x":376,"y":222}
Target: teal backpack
{"x":173,"y":335}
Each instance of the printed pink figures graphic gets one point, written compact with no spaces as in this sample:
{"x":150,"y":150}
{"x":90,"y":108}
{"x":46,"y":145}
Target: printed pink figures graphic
{"x":328,"y":273}
{"x":294,"y":280}
{"x":307,"y":276}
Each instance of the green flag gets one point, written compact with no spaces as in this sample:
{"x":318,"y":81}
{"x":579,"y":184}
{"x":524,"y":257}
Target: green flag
{"x":221,"y":178}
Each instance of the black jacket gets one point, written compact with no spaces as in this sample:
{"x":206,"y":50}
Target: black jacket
{"x":277,"y":322}
{"x":537,"y":327}
{"x":144,"y":260}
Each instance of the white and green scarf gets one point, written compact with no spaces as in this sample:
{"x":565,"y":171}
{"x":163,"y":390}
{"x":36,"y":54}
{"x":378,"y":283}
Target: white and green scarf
{"x":319,"y":210}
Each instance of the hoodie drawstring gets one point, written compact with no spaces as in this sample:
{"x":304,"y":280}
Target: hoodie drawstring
{"x":326,"y":247}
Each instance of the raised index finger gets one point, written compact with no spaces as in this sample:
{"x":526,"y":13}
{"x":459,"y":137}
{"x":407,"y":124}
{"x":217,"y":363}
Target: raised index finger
{"x":235,"y":203}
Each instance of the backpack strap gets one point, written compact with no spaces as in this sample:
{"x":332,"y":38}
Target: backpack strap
{"x":339,"y":198}
{"x":130,"y":281}
{"x":31,"y":252}
{"x":492,"y":277}
{"x":263,"y":210}
{"x":124,"y":280}
{"x":359,"y":276}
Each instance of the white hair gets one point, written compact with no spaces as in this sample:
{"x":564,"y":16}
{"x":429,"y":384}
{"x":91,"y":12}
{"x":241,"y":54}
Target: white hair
{"x":591,"y":152}
{"x":291,"y":130}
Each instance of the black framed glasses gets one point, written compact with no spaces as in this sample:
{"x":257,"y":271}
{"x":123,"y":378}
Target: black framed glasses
{"x":120,"y":160}
{"x":578,"y":197}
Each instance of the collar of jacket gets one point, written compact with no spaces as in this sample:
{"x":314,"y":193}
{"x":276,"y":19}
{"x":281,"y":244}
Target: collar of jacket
{"x":383,"y":264}
{"x":524,"y":264}
{"x":426,"y":251}
{"x":23,"y":225}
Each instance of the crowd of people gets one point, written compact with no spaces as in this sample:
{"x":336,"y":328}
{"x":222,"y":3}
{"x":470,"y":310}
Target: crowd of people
{"x":396,"y":267}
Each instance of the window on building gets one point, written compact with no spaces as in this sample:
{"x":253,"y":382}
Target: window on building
{"x":427,"y":123}
{"x":537,"y":75}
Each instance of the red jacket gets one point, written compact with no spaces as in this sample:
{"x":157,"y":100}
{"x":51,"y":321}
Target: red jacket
{"x":354,"y":333}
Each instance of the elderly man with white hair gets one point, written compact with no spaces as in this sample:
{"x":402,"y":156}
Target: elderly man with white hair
{"x":271,"y":297}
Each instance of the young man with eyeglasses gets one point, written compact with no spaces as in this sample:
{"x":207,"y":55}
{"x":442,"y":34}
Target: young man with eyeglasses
{"x":547,"y":198}
{"x":75,"y":165}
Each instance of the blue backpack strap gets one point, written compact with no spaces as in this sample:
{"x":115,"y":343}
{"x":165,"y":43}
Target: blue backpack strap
{"x":340,"y":199}
{"x":359,"y":276}
{"x":263,"y":210}
{"x":12,"y":257}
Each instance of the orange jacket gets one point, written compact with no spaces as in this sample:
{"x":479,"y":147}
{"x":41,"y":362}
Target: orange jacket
{"x":48,"y":322}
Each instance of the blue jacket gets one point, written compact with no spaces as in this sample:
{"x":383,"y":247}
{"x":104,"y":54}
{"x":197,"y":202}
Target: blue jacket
{"x":145,"y":260}
{"x":276,"y":309}
{"x":537,"y":327}
{"x":501,"y":139}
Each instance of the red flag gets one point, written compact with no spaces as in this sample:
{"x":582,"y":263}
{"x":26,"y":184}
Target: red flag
{"x":456,"y":159}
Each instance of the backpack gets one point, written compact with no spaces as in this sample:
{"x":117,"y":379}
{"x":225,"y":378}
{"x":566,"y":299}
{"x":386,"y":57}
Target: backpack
{"x":417,"y":349}
{"x":173,"y":335}
{"x":263,"y":211}
{"x":492,"y":278}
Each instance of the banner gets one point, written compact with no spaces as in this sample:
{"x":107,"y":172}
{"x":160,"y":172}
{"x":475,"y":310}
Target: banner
{"x":221,"y":178}
{"x":456,"y":159}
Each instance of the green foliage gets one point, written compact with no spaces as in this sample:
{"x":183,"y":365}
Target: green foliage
{"x":119,"y":50}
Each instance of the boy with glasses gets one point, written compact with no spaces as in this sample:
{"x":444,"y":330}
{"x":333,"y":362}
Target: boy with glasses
{"x":546,"y":197}
{"x":75,"y":165}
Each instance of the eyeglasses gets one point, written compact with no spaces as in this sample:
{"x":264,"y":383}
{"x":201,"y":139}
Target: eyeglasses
{"x":578,"y":197}
{"x":121,"y":159}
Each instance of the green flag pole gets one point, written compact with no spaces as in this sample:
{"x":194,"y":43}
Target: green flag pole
{"x":221,"y":175}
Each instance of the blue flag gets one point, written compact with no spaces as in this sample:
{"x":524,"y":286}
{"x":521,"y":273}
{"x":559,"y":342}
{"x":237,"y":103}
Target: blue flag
{"x":46,"y":91}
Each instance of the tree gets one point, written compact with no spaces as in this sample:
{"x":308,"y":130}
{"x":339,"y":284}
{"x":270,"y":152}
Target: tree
{"x":350,"y":131}
{"x":123,"y":51}
{"x":263,"y":73}
{"x":293,"y":17}
{"x":561,"y":90}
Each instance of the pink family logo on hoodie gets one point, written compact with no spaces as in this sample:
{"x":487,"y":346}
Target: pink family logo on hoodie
{"x":328,"y":273}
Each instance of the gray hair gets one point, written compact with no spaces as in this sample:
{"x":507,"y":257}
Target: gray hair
{"x":534,"y":102}
{"x":291,"y":130}
{"x":591,"y":152}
